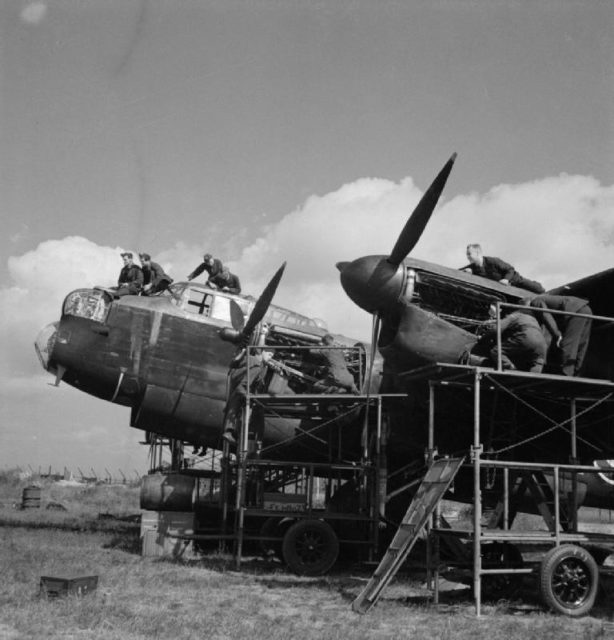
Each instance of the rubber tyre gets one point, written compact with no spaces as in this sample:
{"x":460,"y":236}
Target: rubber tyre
{"x":310,"y":547}
{"x":569,"y":580}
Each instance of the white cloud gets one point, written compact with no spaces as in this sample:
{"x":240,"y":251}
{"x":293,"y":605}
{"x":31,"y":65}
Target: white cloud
{"x":359,"y":218}
{"x":34,"y":12}
{"x":56,"y":265}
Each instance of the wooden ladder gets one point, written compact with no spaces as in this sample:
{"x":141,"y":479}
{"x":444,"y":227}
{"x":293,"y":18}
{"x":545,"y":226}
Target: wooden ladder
{"x":434,"y":485}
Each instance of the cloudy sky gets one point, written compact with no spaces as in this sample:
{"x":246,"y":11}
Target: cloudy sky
{"x":270,"y":130}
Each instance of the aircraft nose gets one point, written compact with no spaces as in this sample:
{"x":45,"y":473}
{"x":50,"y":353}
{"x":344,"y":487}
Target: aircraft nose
{"x":44,"y":343}
{"x":342,"y":266}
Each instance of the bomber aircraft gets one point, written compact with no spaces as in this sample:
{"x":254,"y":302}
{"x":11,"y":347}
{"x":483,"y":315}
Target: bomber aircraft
{"x":167,"y":357}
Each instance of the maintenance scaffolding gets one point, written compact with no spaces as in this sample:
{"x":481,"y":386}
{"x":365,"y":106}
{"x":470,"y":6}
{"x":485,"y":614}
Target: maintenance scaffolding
{"x":333,"y":493}
{"x":303,"y":476}
{"x":525,"y":467}
{"x":491,"y":547}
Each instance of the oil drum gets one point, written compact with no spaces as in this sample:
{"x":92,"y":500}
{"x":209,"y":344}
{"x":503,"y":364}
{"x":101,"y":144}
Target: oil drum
{"x":31,"y":498}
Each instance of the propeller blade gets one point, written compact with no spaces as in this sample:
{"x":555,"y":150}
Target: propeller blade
{"x":236,"y":316}
{"x":263,"y":302}
{"x":417,"y":221}
{"x":375,"y":329}
{"x":366,"y":387}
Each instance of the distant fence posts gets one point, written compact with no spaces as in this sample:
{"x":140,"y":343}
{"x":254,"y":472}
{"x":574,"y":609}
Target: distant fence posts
{"x":93,"y":477}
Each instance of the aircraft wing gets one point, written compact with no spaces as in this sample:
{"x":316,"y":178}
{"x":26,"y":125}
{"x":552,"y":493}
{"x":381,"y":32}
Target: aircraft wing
{"x":597,"y":288}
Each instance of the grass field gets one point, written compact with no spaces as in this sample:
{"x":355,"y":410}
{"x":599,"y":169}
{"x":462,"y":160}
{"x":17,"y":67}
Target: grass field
{"x":202,"y":597}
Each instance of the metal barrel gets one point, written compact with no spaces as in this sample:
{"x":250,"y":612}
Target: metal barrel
{"x":173,"y":492}
{"x":31,"y":498}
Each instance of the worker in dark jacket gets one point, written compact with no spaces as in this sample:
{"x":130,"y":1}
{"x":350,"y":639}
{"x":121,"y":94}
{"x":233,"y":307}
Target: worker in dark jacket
{"x":130,"y":281}
{"x":496,"y":269}
{"x":337,"y":377}
{"x":569,"y":333}
{"x":225,"y":281}
{"x":211,"y":265}
{"x":154,"y":278}
{"x":523,"y":345}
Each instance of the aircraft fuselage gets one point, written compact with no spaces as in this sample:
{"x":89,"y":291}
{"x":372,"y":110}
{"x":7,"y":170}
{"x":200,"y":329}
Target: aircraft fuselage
{"x":161,"y":356}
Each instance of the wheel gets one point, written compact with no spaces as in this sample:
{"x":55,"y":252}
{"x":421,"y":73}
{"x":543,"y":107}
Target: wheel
{"x":501,"y":555}
{"x":568,"y":580}
{"x":310,"y":547}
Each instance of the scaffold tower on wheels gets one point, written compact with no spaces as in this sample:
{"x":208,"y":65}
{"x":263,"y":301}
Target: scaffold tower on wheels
{"x":301,"y":475}
{"x":530,"y":435}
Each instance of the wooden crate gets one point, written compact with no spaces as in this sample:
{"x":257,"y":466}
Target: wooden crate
{"x":53,"y":587}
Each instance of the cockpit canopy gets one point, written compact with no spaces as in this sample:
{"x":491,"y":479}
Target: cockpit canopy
{"x":91,"y":304}
{"x":209,"y":303}
{"x":202,"y":301}
{"x":278,"y":315}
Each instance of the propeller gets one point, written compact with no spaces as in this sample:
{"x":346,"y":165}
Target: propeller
{"x":420,"y":216}
{"x":263,"y":302}
{"x":242,"y":333}
{"x":375,"y":283}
